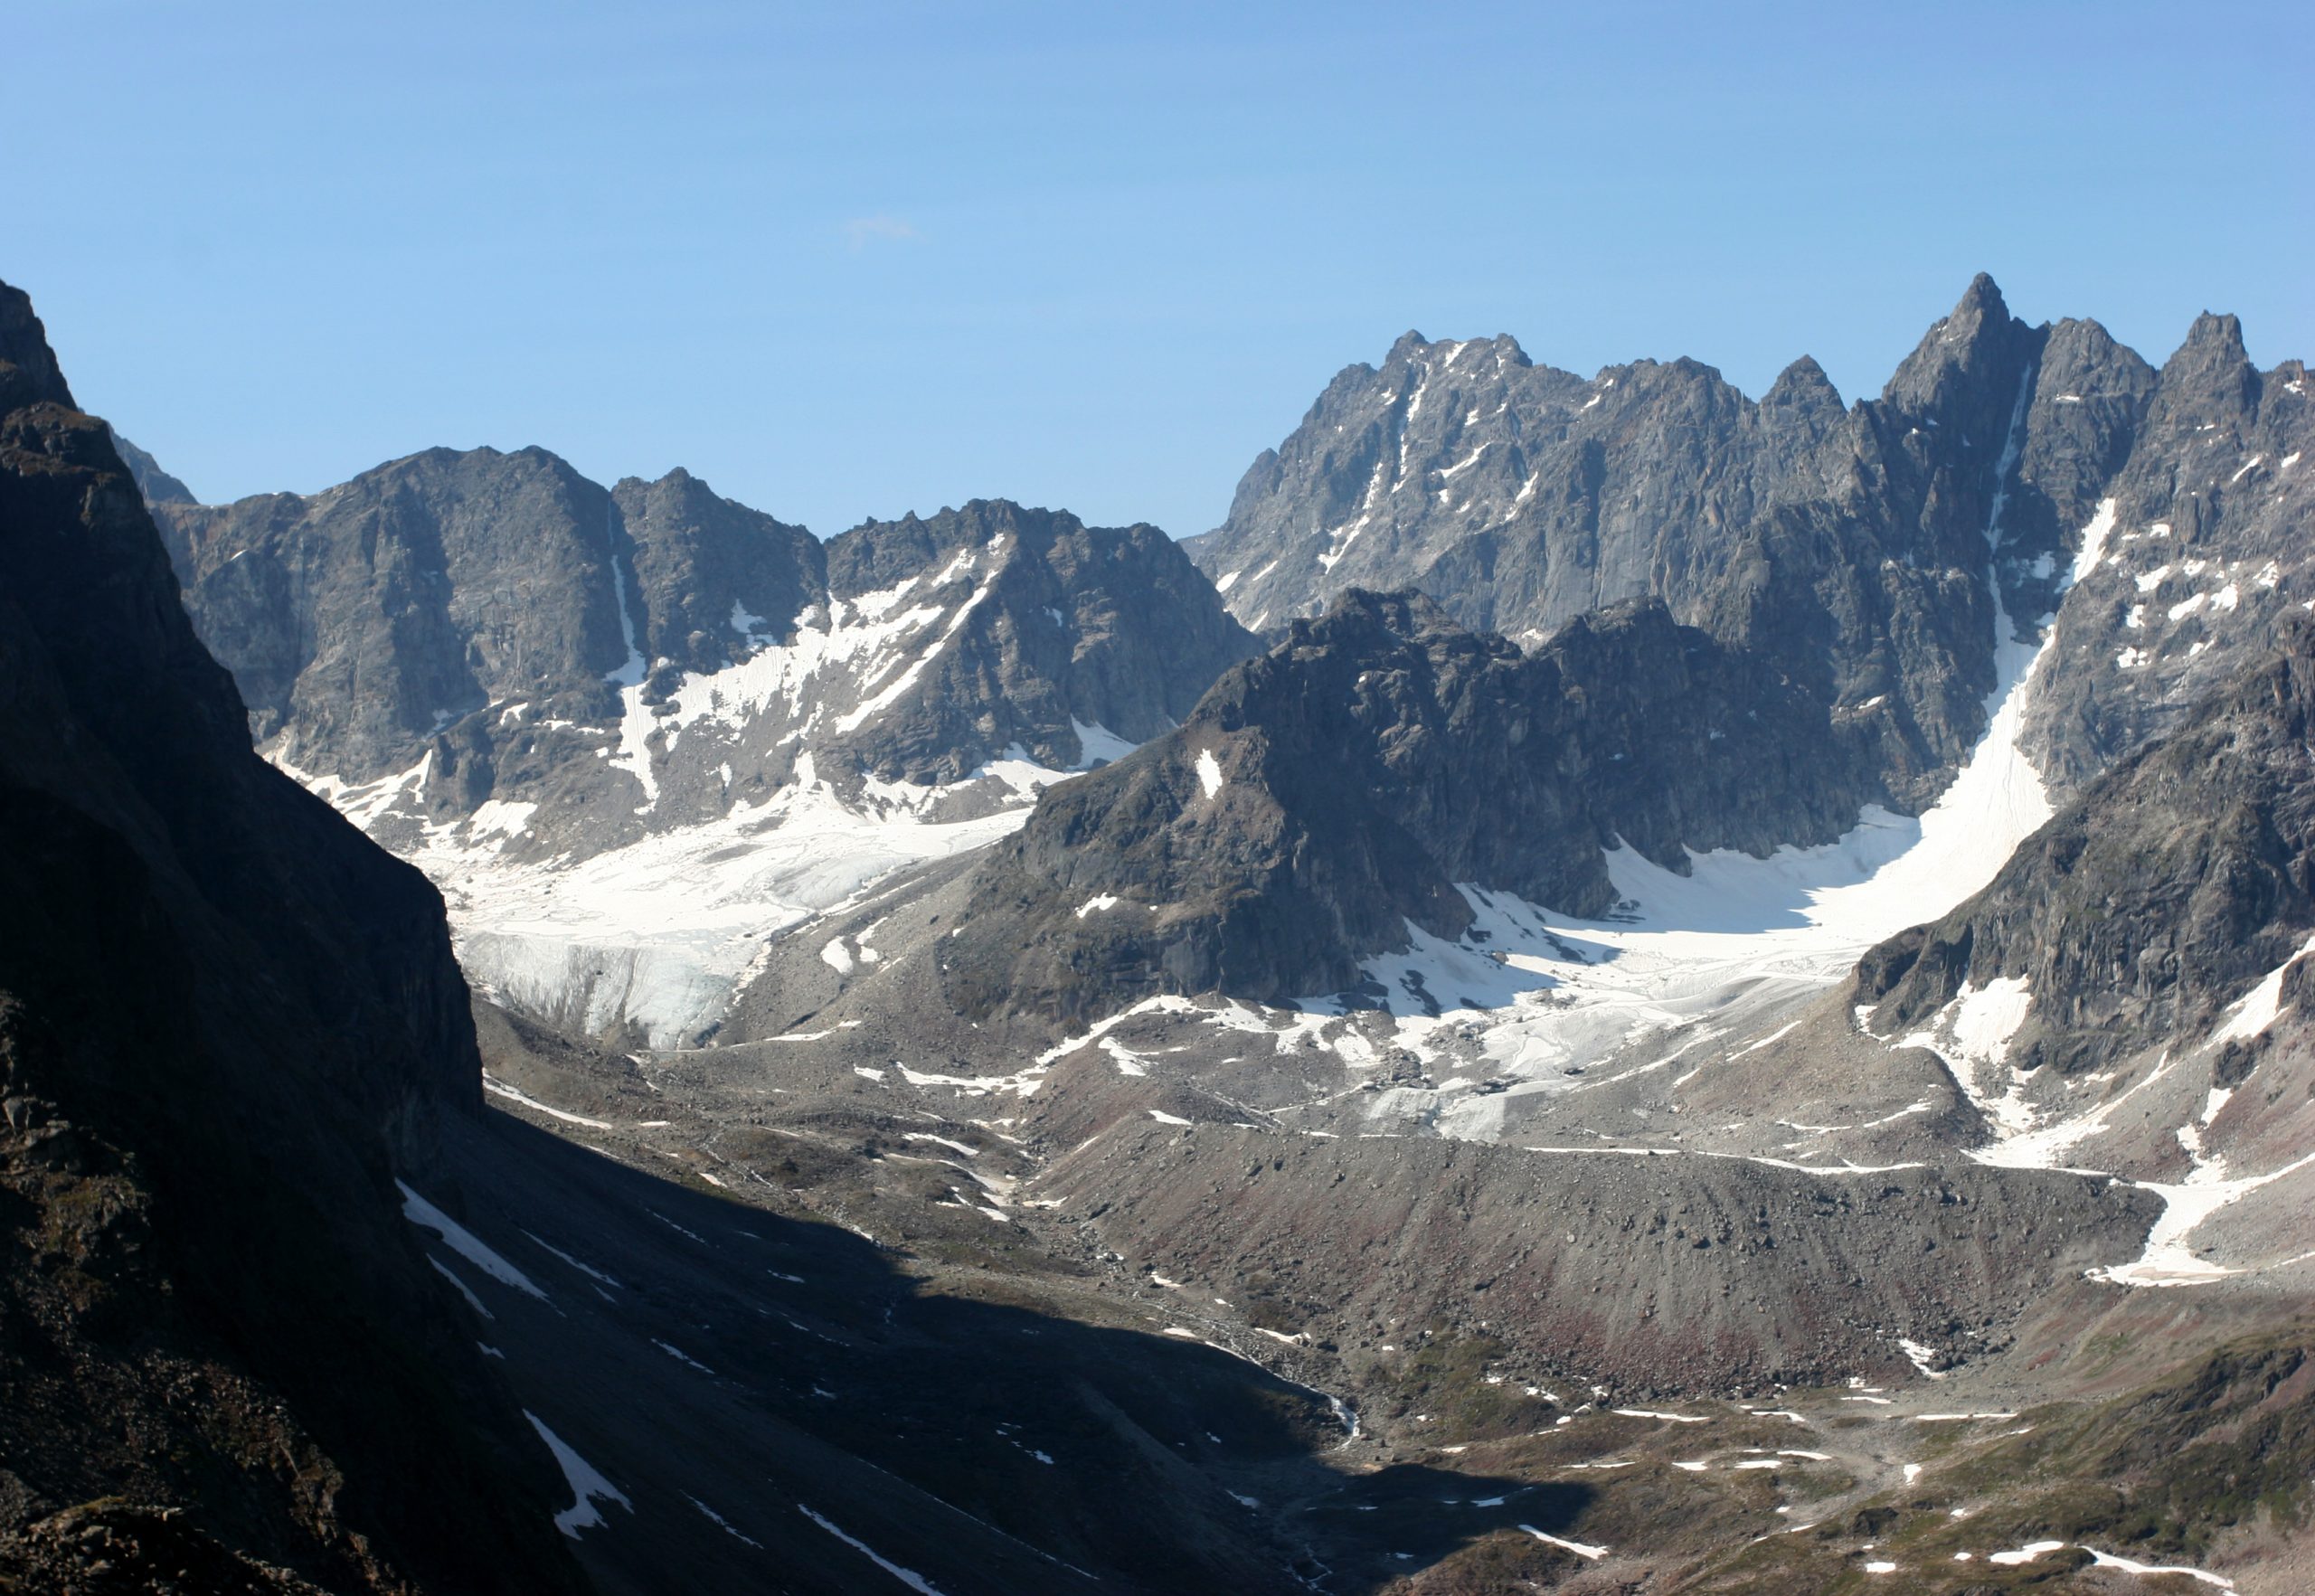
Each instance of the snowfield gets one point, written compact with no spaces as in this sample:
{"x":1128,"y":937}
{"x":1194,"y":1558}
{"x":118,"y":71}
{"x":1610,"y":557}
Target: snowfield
{"x":659,"y":934}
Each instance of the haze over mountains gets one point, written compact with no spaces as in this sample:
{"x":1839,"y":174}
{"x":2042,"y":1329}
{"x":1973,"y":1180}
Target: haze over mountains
{"x":1646,"y":990}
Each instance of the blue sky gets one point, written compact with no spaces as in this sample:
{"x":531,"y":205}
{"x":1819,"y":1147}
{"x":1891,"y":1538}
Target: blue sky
{"x":851,"y":260}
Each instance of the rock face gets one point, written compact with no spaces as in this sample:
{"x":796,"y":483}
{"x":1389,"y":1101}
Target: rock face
{"x":483,"y":626}
{"x":2205,"y":560}
{"x":221,"y":1013}
{"x":2177,"y":880}
{"x":1847,"y":596}
{"x":1870,"y":550}
{"x":1329,"y":799}
{"x":362,"y":622}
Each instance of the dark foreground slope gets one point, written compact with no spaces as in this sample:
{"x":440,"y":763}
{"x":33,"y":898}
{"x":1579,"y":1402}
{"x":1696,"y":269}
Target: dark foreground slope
{"x":220,"y":1009}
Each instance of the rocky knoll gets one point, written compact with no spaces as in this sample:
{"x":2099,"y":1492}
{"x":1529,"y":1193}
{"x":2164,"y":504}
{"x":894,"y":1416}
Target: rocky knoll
{"x":1326,"y":800}
{"x":222,"y":1014}
{"x":1868,"y":549}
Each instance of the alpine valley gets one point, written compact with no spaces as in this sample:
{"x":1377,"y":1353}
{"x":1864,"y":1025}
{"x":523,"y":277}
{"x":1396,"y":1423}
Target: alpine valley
{"x":1613,"y":987}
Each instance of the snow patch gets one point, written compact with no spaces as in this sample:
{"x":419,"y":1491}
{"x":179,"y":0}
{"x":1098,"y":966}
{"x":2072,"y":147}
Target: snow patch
{"x":2257,"y":1009}
{"x":465,"y":1242}
{"x":465,"y":1291}
{"x":588,"y":1486}
{"x":1209,"y":771}
{"x":1593,"y":1554}
{"x":1096,"y":744}
{"x":1921,"y":1356}
{"x":913,"y":1581}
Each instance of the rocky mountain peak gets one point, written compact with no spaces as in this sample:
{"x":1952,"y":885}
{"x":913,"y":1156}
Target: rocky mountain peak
{"x":1408,"y":345}
{"x":29,"y":373}
{"x":2080,"y":357}
{"x":2212,"y":369}
{"x":1981,"y":301}
{"x":2217,"y":338}
{"x":1804,"y":387}
{"x":1362,"y":619}
{"x":507,"y":671}
{"x":1978,"y":343}
{"x":713,"y":579}
{"x":2190,"y":864}
{"x":877,"y":553}
{"x":1327,"y":800}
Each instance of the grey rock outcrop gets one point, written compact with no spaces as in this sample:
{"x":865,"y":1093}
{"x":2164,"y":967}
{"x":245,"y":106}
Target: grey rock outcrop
{"x":363,"y":621}
{"x":157,"y":486}
{"x":2207,"y":563}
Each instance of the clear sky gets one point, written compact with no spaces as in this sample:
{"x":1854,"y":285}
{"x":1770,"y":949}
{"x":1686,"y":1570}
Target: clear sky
{"x":844,"y":260}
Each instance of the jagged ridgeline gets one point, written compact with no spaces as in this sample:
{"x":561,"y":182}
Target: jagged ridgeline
{"x":244,"y":1352}
{"x":1851,"y":546}
{"x":1108,"y":1003}
{"x":642,"y":658}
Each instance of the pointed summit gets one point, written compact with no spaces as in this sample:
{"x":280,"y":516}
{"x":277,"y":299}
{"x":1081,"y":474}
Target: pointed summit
{"x":1982,"y":298}
{"x":1802,"y":385}
{"x":1978,"y":341}
{"x":2214,"y":340}
{"x":1410,"y":344}
{"x":29,"y":373}
{"x":2212,"y":368}
{"x":1979,"y":313}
